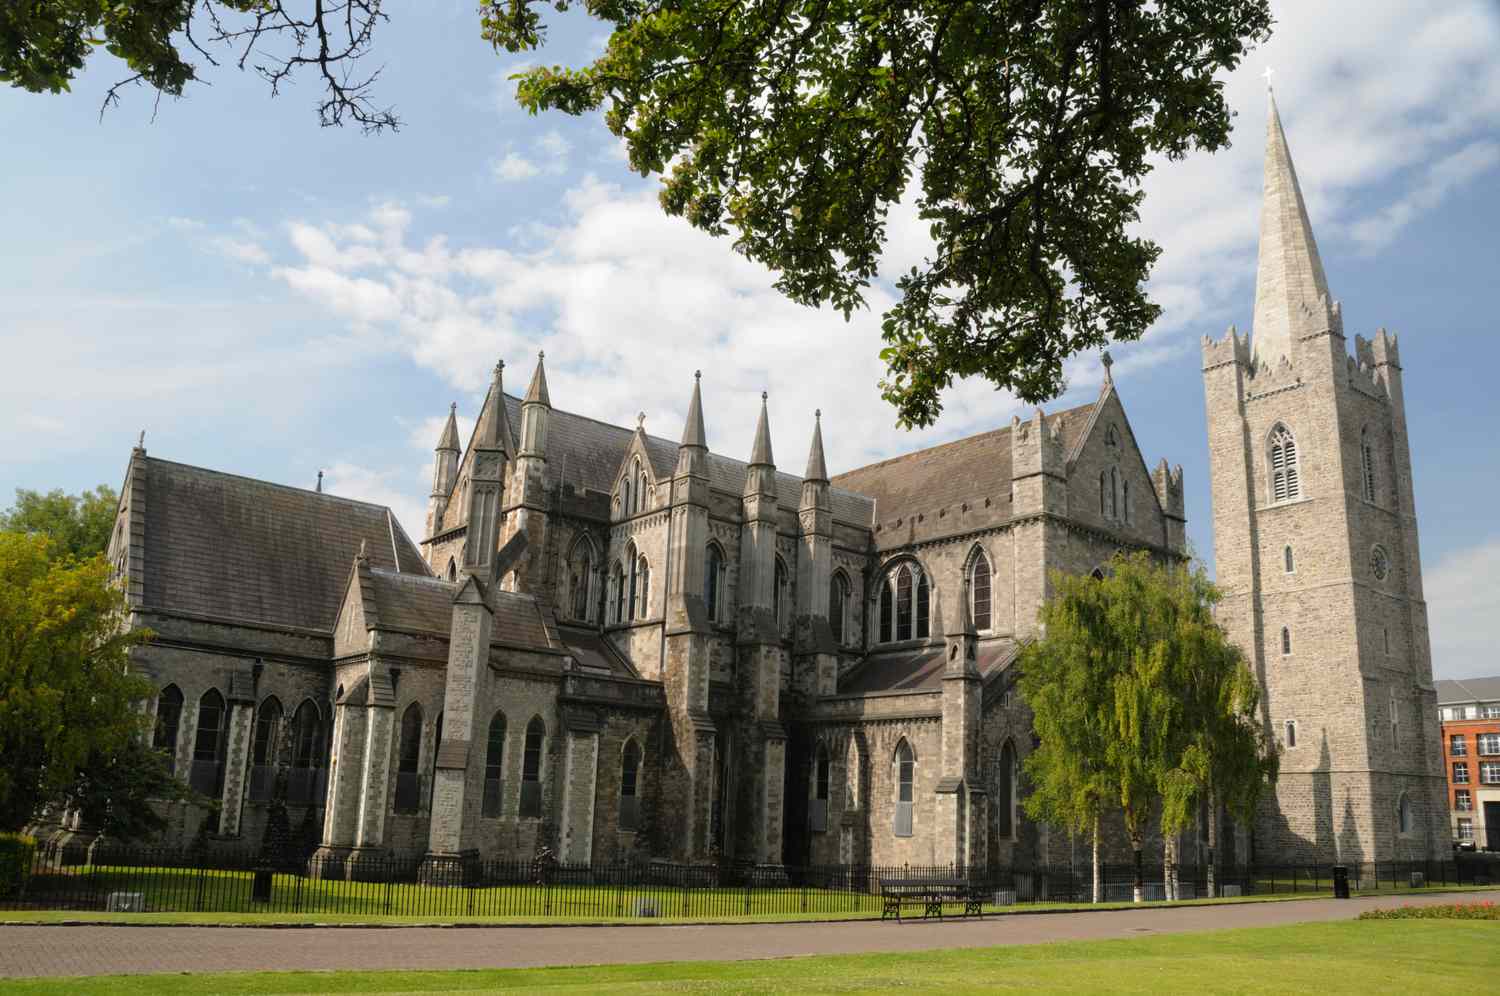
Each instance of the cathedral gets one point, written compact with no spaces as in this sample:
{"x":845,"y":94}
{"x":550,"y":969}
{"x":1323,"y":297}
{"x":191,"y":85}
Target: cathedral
{"x":623,"y":647}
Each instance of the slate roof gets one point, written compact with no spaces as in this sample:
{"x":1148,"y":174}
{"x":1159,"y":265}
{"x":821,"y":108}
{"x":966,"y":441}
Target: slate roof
{"x":235,"y":548}
{"x":1460,"y":691}
{"x":593,"y":651}
{"x":917,"y":670}
{"x":413,"y":603}
{"x":590,"y":452}
{"x":943,"y":476}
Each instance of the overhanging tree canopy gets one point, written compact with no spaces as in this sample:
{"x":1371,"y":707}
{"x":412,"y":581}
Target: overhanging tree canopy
{"x":1021,"y":128}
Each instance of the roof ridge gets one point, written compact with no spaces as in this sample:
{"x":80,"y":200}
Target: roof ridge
{"x":273,"y":484}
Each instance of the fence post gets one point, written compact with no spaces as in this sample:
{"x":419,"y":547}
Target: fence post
{"x":202,"y":882}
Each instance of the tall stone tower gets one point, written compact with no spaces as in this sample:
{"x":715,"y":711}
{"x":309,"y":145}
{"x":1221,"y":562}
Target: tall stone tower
{"x":1315,"y":538}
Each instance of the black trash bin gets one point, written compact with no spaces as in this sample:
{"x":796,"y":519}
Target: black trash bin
{"x":1340,"y":881}
{"x":260,"y":888}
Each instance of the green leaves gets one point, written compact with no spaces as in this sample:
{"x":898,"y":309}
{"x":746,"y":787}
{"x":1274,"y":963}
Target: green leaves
{"x":1026,"y":127}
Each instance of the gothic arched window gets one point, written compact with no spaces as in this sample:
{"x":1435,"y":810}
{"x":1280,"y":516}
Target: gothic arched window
{"x":643,"y":569}
{"x":1286,"y":481}
{"x":1125,"y":500}
{"x":905,"y":604}
{"x":906,"y":765}
{"x":625,"y":506}
{"x":408,"y":761}
{"x":635,"y":578}
{"x":531,"y":768}
{"x":494,"y":767}
{"x":208,"y":745}
{"x":580,"y":579}
{"x":838,"y":605}
{"x":307,"y":730}
{"x":263,"y":748}
{"x":1104,"y":493}
{"x":979,"y":591}
{"x":640,"y":488}
{"x":630,"y":777}
{"x":1114,"y":493}
{"x":168,"y":719}
{"x":617,"y":593}
{"x":1403,"y":814}
{"x":1291,"y":561}
{"x":1286,"y":641}
{"x":779,"y":593}
{"x":452,"y":570}
{"x":822,"y":777}
{"x":853,"y":767}
{"x":1367,"y":465}
{"x":1007,"y":801}
{"x":713,"y":581}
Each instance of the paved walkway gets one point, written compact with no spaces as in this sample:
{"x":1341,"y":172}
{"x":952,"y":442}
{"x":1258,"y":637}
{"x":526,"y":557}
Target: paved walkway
{"x":58,"y":950}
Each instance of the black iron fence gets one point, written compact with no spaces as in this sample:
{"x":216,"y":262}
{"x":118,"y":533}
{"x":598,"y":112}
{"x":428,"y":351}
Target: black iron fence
{"x":142,"y":880}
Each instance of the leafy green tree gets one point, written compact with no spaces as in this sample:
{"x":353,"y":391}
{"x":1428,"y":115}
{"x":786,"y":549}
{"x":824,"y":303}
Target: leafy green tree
{"x":1066,"y":680}
{"x":65,"y":694}
{"x":119,"y":787}
{"x":78,"y":525}
{"x":1138,"y":695}
{"x":1022,"y":129}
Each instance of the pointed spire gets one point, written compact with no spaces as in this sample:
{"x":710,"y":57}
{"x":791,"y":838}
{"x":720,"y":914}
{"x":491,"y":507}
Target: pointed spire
{"x":449,"y":439}
{"x":692,"y":429}
{"x":760,"y":453}
{"x":536,"y":394}
{"x":1289,"y":272}
{"x":494,"y":425}
{"x":817,"y":470}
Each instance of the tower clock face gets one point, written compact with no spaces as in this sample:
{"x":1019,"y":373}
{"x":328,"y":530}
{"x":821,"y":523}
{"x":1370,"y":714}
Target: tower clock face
{"x":1380,"y":564}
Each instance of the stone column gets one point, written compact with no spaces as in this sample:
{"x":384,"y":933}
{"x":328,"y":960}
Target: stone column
{"x":580,"y":774}
{"x":241,"y":715}
{"x":345,"y":781}
{"x":450,"y":843}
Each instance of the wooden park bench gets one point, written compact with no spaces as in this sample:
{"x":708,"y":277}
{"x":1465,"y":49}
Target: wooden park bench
{"x":932,"y":894}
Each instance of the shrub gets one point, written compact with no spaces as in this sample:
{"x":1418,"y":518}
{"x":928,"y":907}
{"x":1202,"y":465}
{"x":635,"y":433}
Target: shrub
{"x":1485,"y":910}
{"x":16,"y":852}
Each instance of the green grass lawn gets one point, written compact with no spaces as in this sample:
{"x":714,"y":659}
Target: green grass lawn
{"x":1348,"y":957}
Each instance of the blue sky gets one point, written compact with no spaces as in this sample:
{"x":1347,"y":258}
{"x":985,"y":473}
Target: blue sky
{"x":268,"y":297}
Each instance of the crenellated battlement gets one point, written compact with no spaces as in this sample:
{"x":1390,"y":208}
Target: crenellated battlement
{"x":1233,"y":348}
{"x":1169,"y":490}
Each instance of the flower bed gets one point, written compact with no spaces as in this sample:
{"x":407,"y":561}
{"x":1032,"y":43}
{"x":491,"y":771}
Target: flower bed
{"x":1486,"y":910}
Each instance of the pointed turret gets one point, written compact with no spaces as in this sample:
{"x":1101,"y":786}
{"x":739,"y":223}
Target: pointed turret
{"x":534,"y":411}
{"x":692,"y":455}
{"x":492,"y":446}
{"x":1289,"y":282}
{"x":817,"y":470}
{"x":448,"y":441}
{"x":761,"y":480}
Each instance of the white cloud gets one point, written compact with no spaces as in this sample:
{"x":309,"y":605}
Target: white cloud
{"x":512,"y":167}
{"x":1463,"y":604}
{"x":1443,"y":177}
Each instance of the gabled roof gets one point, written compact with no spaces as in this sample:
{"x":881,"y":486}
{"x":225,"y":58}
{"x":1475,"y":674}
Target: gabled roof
{"x":1451,"y":691}
{"x":942,"y":476}
{"x":235,"y":548}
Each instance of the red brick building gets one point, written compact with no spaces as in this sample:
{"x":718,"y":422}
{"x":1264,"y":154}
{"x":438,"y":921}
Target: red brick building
{"x":1469,"y":711}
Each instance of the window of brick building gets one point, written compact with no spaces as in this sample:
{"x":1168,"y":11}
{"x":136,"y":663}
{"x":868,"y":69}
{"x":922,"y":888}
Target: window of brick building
{"x":1457,"y":745}
{"x":1491,"y":711}
{"x":630,"y":778}
{"x":1465,"y":829}
{"x":1489,"y":744}
{"x":494,"y":768}
{"x":531,"y":769}
{"x":905,"y":777}
{"x":1460,"y":773}
{"x":1489,"y":773}
{"x":1463,"y":801}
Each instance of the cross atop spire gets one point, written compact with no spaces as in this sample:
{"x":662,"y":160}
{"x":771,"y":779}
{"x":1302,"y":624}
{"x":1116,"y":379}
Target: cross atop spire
{"x":1289,"y":280}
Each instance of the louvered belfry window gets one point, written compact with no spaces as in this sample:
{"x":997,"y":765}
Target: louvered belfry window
{"x":1285,"y":479}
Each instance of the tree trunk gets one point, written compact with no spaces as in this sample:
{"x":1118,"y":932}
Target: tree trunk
{"x":1213,"y":844}
{"x":1140,"y":871}
{"x":1098,"y":884}
{"x":1169,"y":866}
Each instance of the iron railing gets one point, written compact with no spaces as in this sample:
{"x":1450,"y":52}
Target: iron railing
{"x":150,"y":880}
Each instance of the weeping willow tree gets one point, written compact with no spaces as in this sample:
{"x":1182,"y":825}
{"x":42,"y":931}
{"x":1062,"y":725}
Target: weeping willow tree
{"x":1140,"y":702}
